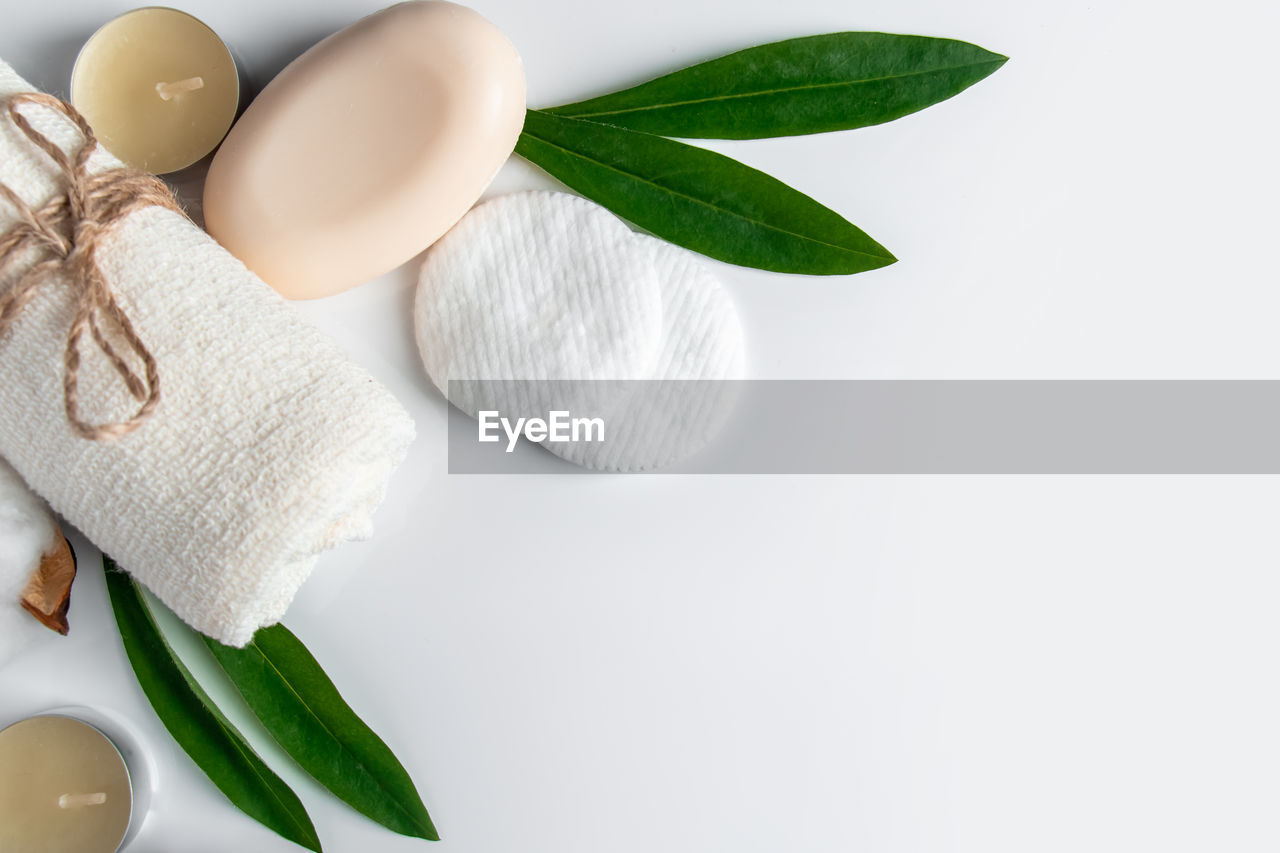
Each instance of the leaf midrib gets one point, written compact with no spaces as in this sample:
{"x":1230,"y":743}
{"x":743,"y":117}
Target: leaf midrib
{"x":236,"y":741}
{"x":775,"y":91}
{"x":189,"y":680}
{"x":699,"y":201}
{"x":363,"y":767}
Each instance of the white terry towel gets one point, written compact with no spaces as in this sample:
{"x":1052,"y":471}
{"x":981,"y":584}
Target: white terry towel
{"x":268,"y":445}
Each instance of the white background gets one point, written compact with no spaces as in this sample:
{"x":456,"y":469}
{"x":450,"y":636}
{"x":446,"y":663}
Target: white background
{"x":587,"y":664}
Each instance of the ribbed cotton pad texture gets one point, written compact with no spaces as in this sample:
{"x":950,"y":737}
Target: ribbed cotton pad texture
{"x":545,"y":285}
{"x":537,"y":285}
{"x":269,"y":445}
{"x":691,"y":391}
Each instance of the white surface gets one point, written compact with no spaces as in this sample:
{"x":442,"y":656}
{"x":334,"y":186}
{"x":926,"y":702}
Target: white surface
{"x":585,"y":664}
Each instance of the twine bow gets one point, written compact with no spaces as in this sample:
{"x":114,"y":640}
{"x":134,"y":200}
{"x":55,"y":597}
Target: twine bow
{"x":66,"y":233}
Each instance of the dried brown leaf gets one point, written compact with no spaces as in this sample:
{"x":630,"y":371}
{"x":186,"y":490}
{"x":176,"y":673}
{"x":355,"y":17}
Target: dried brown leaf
{"x":47,"y":595}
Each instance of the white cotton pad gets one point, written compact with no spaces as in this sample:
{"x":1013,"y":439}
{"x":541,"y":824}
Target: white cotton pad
{"x":688,"y":397}
{"x":537,"y":285}
{"x":550,"y":286}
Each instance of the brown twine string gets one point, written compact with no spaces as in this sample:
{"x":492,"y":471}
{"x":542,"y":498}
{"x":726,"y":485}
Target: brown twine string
{"x":68,"y":230}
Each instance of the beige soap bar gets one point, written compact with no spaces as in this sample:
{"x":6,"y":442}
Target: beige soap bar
{"x":367,"y":148}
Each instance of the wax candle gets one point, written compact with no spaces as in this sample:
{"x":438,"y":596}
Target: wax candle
{"x":158,"y":87}
{"x":64,"y":788}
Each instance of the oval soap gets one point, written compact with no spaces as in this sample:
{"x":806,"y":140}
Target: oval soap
{"x":367,"y":148}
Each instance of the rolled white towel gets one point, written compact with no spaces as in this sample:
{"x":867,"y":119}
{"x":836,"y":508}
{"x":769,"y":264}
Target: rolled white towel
{"x":268,"y":445}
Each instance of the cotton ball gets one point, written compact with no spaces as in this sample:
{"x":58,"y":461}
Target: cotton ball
{"x":28,"y":531}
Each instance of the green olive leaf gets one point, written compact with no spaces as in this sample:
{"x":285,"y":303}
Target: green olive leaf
{"x":697,"y":198}
{"x":299,"y":706}
{"x":193,"y":720}
{"x":804,"y":85}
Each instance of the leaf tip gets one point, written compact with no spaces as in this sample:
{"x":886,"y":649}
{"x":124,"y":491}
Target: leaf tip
{"x":426,"y":830}
{"x":993,"y":63}
{"x":881,"y":258}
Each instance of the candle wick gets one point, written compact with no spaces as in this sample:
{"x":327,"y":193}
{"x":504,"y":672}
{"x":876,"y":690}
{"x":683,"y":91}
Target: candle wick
{"x":76,"y":801}
{"x":169,"y":91}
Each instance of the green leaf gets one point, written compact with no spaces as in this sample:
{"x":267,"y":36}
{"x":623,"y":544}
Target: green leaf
{"x":298,"y":704}
{"x":196,"y":723}
{"x":698,"y":199}
{"x":803,"y":85}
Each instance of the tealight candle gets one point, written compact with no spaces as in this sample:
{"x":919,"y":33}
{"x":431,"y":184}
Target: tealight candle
{"x":159,"y":88}
{"x":64,"y":788}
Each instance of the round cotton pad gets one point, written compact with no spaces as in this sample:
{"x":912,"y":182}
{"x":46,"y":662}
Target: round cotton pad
{"x":537,"y":285}
{"x":549,"y":286}
{"x":691,"y":391}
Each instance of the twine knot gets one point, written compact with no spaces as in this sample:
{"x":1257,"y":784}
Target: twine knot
{"x":65,"y":235}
